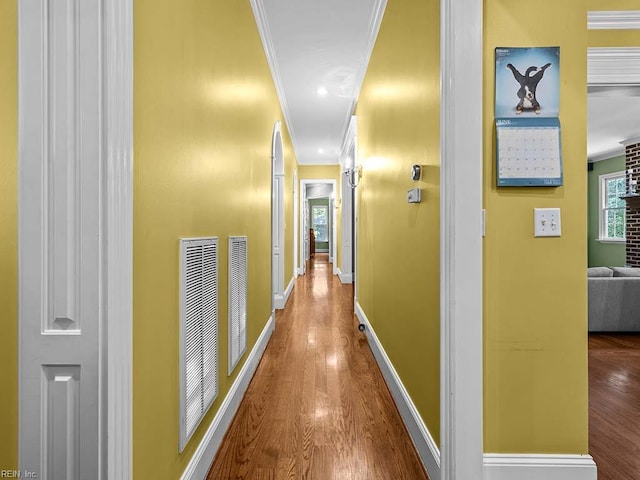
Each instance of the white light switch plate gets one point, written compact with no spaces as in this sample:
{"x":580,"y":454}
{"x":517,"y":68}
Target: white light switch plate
{"x":546,"y":222}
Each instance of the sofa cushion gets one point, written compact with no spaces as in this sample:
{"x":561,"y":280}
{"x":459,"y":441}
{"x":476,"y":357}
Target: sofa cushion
{"x":599,"y":272}
{"x":625,"y":272}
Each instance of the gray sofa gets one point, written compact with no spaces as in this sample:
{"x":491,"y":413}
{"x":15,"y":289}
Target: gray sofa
{"x":614,"y":299}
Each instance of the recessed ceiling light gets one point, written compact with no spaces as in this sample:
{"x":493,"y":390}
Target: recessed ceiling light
{"x":322,"y":91}
{"x":321,"y":150}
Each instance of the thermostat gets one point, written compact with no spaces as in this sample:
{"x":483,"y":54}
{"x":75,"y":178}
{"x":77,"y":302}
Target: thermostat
{"x":416,"y":171}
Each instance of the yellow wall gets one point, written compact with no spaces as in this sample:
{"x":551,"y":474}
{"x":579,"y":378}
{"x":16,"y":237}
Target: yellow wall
{"x":535,"y":302}
{"x":204,"y":110}
{"x":398,"y":279}
{"x":9,"y":234}
{"x":312,"y":172}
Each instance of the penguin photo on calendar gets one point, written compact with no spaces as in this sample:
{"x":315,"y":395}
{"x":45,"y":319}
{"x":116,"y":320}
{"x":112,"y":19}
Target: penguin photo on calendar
{"x":527,"y":82}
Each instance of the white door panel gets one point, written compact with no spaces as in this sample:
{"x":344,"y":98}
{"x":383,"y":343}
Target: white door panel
{"x":278,"y":234}
{"x":60,"y":250}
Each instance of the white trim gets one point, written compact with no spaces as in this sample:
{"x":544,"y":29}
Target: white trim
{"x":613,"y":66}
{"x":260,"y":14}
{"x":539,"y":467}
{"x":303,"y":198}
{"x":422,"y":439}
{"x":613,"y":20}
{"x":615,"y":242}
{"x":281,"y":300}
{"x":616,"y":152}
{"x":278,"y":220}
{"x":375,"y":21}
{"x":630,"y":141}
{"x":118,"y":291}
{"x":200,"y":463}
{"x":461,"y":131}
{"x":602,"y":228}
{"x":344,"y":277}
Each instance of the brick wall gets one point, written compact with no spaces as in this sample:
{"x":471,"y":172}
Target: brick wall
{"x":632,"y":160}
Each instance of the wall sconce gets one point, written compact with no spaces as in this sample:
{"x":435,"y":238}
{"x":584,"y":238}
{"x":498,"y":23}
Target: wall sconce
{"x":353,"y":175}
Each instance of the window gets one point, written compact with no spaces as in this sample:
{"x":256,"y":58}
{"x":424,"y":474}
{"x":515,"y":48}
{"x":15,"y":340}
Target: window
{"x":319,"y":216}
{"x":612,"y":207}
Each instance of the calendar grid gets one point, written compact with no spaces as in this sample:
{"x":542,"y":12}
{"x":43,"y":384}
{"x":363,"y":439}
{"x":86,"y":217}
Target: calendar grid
{"x":528,"y":152}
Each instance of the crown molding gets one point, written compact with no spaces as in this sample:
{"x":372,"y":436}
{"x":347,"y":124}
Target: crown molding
{"x":616,"y":152}
{"x":614,"y":20}
{"x":630,"y":141}
{"x":260,"y":15}
{"x":375,"y":21}
{"x":613,"y":66}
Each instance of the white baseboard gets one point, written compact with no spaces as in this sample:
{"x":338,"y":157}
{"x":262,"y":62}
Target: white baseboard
{"x":422,"y":439}
{"x":200,"y":463}
{"x":539,"y":467}
{"x":344,"y":277}
{"x":300,"y":271}
{"x":280,"y":301}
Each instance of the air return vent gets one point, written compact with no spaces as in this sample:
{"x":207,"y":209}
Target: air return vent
{"x":237,"y":299}
{"x":198,"y":331}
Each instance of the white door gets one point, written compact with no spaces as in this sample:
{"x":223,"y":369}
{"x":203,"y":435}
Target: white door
{"x":305,"y":234}
{"x":277,"y":218}
{"x":60,"y":238}
{"x":278,"y":237}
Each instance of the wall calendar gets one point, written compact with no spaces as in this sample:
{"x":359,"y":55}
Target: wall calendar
{"x":528,"y":140}
{"x":528,"y":153}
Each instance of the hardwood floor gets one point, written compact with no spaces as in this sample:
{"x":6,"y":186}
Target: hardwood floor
{"x":614,"y":405}
{"x":317,"y":407}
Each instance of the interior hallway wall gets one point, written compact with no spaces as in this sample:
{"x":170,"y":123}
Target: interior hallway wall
{"x":535,"y":289}
{"x":9,"y":234}
{"x":204,"y":111}
{"x":398,"y":264}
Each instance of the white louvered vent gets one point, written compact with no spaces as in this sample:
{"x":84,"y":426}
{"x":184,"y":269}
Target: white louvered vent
{"x":237,"y":299}
{"x":198,"y":331}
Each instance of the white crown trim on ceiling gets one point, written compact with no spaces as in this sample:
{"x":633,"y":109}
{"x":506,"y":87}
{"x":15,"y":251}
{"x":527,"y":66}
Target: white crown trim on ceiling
{"x":617,"y":66}
{"x":614,"y":20}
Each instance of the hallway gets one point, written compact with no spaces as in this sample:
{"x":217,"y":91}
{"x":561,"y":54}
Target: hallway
{"x":317,"y":407}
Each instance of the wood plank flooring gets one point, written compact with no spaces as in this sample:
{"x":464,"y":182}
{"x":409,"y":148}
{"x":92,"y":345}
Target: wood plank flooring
{"x":317,"y":407}
{"x":614,"y":405}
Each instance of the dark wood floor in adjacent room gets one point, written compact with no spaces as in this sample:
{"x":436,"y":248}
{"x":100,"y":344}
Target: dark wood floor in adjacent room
{"x":317,"y":407}
{"x":614,"y":405}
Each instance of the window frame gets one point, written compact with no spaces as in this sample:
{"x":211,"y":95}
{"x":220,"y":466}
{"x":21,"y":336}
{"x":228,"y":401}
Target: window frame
{"x":602,"y":208}
{"x":313,"y":223}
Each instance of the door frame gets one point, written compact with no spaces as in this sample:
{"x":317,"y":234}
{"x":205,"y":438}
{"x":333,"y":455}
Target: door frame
{"x":461,"y":197}
{"x":116,"y":283}
{"x":277,"y":221}
{"x":118,"y":295}
{"x":303,"y":199}
{"x":347,"y":193}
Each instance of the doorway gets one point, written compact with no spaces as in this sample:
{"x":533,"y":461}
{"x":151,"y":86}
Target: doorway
{"x":277,"y":219}
{"x":317,"y":196}
{"x":613,"y":345}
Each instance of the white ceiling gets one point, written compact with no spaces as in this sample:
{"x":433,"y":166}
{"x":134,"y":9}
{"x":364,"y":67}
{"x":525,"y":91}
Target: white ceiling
{"x":326,"y":44}
{"x":614,"y":116}
{"x":318,"y":44}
